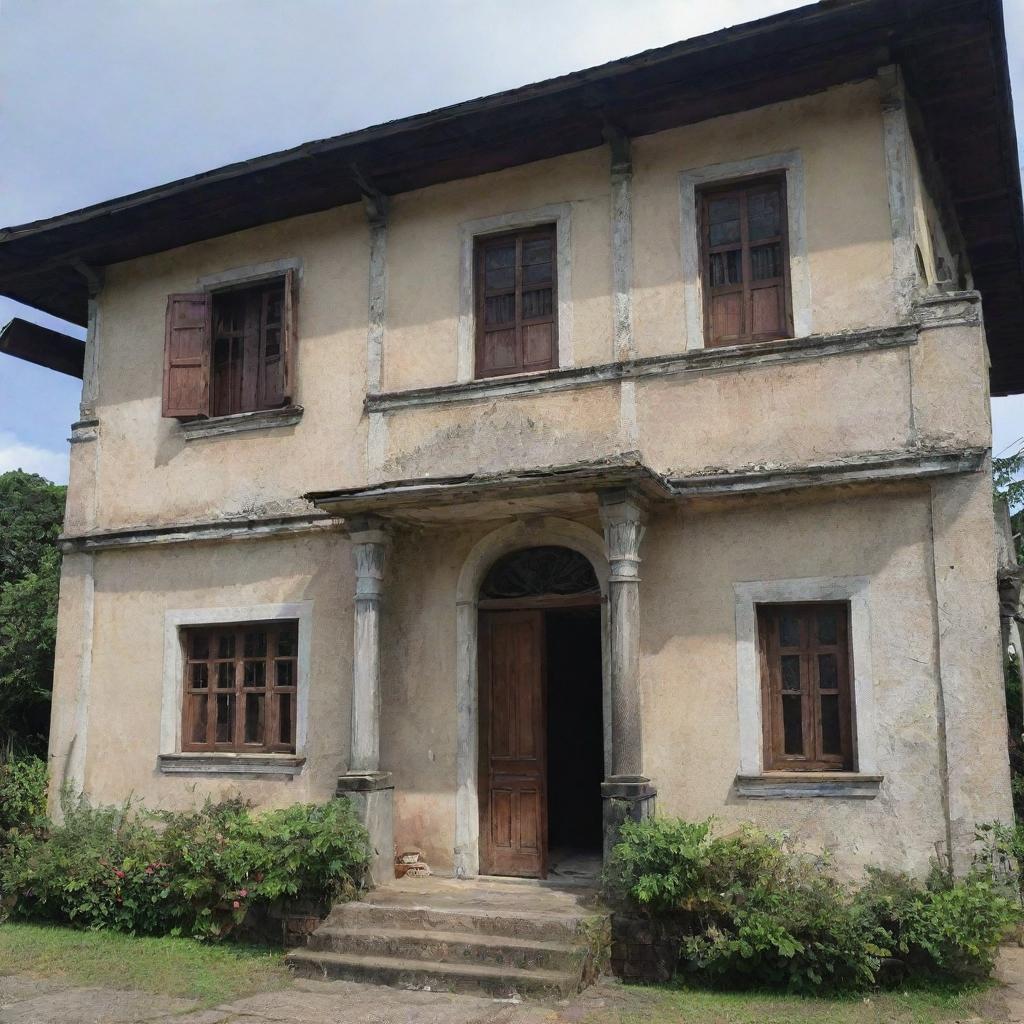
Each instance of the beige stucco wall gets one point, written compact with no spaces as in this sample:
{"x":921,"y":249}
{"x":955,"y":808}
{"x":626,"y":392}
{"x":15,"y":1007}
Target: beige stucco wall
{"x":692,"y":561}
{"x":145,"y":472}
{"x":132,"y":592}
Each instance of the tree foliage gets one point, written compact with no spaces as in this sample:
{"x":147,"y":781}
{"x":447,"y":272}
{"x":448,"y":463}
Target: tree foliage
{"x":1008,"y":480}
{"x":31,"y":513}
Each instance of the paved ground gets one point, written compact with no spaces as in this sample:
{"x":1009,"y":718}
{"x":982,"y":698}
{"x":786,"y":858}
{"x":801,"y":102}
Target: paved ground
{"x":33,"y":1001}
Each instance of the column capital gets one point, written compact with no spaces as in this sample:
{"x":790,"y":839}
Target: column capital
{"x":624,"y":518}
{"x":370,"y":541}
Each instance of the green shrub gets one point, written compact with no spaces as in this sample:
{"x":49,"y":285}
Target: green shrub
{"x":194,"y":873}
{"x":22,"y":794}
{"x":748,"y":913}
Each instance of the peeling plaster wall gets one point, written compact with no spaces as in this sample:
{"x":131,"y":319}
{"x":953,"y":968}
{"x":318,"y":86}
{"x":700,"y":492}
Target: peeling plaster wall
{"x":147,"y":473}
{"x":132,"y":591}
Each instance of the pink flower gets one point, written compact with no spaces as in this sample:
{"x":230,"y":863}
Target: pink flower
{"x":243,"y":893}
{"x":235,"y":904}
{"x":120,"y":874}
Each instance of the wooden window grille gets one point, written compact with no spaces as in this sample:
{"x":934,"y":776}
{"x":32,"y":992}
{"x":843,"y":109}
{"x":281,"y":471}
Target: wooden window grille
{"x":745,"y":261}
{"x":516,"y":302}
{"x":806,"y":671}
{"x":231,"y":351}
{"x":240,"y":687}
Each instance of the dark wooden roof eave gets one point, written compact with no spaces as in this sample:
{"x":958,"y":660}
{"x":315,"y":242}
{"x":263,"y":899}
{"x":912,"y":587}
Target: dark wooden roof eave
{"x":44,"y":347}
{"x":953,"y":53}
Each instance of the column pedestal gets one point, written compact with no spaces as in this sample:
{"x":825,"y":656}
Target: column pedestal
{"x":625,"y":798}
{"x":372,"y":795}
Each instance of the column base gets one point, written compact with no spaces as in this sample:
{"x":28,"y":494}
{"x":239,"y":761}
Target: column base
{"x":373,"y":798}
{"x":625,"y":798}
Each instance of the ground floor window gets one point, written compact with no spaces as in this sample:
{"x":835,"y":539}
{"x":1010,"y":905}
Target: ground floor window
{"x":805,"y":672}
{"x":240,"y":687}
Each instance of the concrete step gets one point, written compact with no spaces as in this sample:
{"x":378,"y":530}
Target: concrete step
{"x":495,"y":981}
{"x":499,"y":921}
{"x":451,"y":947}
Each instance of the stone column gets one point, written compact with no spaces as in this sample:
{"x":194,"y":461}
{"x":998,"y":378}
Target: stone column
{"x":370,"y":789}
{"x":627,"y":793}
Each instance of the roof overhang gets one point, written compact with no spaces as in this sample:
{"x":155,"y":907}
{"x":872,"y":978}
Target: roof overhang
{"x":44,"y":347}
{"x":952,"y":52}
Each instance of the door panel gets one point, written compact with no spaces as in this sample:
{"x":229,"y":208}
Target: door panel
{"x":513,"y":744}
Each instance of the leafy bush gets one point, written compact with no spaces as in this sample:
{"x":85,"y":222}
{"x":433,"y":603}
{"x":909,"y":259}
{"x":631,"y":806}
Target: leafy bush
{"x":748,"y":913}
{"x":22,"y":794}
{"x":194,"y":873}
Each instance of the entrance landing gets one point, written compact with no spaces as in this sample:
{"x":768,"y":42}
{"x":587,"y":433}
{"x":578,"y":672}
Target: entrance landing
{"x":502,"y":938}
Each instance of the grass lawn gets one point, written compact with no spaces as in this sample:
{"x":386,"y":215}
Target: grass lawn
{"x":937,"y":1005}
{"x":175,"y":967}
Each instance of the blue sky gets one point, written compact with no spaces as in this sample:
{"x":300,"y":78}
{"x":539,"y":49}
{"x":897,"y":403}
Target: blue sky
{"x":103,"y":98}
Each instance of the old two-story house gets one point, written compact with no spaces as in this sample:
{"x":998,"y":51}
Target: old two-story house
{"x":615,"y":442}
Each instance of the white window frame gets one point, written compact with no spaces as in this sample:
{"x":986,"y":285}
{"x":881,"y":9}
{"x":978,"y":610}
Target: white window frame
{"x":690,"y":182}
{"x":852,"y":589}
{"x":174,"y":664}
{"x":559,"y":214}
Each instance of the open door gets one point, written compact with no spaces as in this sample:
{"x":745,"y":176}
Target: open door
{"x":513,"y":744}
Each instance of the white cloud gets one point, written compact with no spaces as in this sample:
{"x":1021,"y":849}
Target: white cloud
{"x":14,"y":454}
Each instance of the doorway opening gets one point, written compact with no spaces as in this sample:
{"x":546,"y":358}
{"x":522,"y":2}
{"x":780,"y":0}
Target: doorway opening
{"x":541,"y":734}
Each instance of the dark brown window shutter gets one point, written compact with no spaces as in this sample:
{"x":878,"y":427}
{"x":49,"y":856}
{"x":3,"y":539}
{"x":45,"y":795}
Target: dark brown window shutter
{"x":187,"y":355}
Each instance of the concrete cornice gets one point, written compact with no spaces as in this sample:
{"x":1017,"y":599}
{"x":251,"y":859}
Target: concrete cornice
{"x":694,"y":361}
{"x":193,"y":533}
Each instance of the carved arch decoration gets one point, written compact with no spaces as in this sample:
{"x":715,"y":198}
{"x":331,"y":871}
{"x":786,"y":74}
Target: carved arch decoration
{"x":540,"y":571}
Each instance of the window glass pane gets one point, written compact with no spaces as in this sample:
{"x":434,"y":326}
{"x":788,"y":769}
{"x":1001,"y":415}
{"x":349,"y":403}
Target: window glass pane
{"x":284,"y":718}
{"x":766,"y":261}
{"x":200,"y":676}
{"x":275,"y":306}
{"x":764,"y":215}
{"x":791,"y":672}
{"x":724,"y":221}
{"x":830,"y":735}
{"x":789,"y":629}
{"x":254,"y":718}
{"x":536,"y":250}
{"x":726,"y":268}
{"x":225,"y":717}
{"x":286,"y":673}
{"x":255,"y":643}
{"x":500,"y":266}
{"x":198,"y":719}
{"x":828,"y":626}
{"x":537,"y":273}
{"x":225,"y":675}
{"x":499,"y":309}
{"x":273,"y":342}
{"x":286,"y":643}
{"x":828,"y":672}
{"x":200,"y":646}
{"x":254,"y":674}
{"x":226,"y":645}
{"x":537,"y":303}
{"x":792,"y":724}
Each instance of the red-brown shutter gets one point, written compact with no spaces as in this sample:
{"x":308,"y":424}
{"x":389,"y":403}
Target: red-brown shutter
{"x":291,"y":332}
{"x":187,"y":345}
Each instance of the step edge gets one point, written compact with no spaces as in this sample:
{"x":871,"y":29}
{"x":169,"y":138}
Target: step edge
{"x":433,"y":966}
{"x":468,"y":938}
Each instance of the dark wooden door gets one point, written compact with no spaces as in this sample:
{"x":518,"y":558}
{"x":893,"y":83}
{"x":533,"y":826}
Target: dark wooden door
{"x":513,"y":744}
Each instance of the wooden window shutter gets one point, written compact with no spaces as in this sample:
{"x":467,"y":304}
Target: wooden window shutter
{"x":187,"y":343}
{"x":291,"y":333}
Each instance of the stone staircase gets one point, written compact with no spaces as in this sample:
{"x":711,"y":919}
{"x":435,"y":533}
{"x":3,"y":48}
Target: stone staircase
{"x":505,"y":939}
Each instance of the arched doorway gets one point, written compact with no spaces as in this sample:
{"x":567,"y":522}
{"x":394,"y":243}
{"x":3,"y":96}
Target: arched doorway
{"x":541,"y":756}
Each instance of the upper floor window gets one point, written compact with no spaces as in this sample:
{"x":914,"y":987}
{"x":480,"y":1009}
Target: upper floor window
{"x":805,"y":660}
{"x":240,"y":687}
{"x":745,"y":262}
{"x":516,"y":302}
{"x":230,"y":351}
